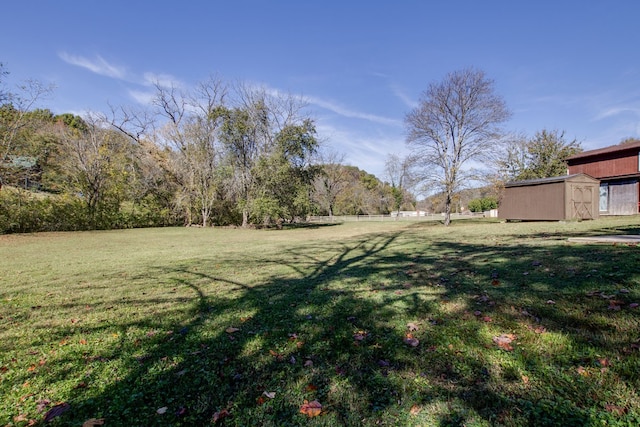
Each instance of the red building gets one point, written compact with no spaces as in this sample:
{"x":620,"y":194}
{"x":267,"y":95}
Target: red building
{"x":618,"y":169}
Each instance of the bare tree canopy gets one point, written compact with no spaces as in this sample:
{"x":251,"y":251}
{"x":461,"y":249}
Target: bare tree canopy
{"x":456,"y":122}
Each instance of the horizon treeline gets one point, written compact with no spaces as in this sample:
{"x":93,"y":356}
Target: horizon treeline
{"x":213,"y":155}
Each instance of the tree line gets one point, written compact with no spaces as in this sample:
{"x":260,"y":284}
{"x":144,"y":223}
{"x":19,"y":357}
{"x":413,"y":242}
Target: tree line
{"x":213,"y":155}
{"x":220,"y":154}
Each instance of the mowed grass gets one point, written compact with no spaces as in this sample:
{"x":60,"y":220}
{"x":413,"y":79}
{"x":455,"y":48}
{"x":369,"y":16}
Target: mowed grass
{"x":482,"y":323}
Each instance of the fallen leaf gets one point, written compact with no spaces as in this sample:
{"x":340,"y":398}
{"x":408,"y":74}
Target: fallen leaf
{"x":20,"y":418}
{"x":31,"y":368}
{"x":360,"y":335}
{"x":477,"y":313}
{"x":504,"y":341}
{"x":487,"y":319}
{"x":634,"y":305}
{"x":550,"y":301}
{"x":42,"y":405}
{"x":624,"y":291}
{"x":311,"y":387}
{"x":56,"y":411}
{"x":540,"y":330}
{"x":412,"y":326}
{"x":495,"y":282}
{"x":415,"y":410}
{"x":220,"y":415}
{"x":410,"y":340}
{"x":525,"y":379}
{"x":278,"y":356}
{"x":260,"y":400}
{"x":615,"y":409}
{"x":83,"y":342}
{"x":311,"y":409}
{"x":92,"y":422}
{"x":270,"y":394}
{"x":582,"y":371}
{"x":162,"y":410}
{"x":604,"y":362}
{"x":231,"y":330}
{"x":308,"y":363}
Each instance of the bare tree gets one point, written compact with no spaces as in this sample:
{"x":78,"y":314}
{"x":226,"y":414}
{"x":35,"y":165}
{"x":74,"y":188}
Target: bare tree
{"x":456,"y":123}
{"x":332,"y":180}
{"x":190,"y":135}
{"x":398,"y":170}
{"x":94,"y":159}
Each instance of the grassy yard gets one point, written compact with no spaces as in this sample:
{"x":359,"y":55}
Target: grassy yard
{"x":478,"y":324}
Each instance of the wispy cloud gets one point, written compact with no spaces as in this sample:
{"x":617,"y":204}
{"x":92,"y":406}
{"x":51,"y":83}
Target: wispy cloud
{"x":616,"y":111}
{"x":363,"y":148}
{"x":346,"y":112}
{"x":98,"y":65}
{"x":141,"y":96}
{"x":401,"y":94}
{"x":163,"y":80}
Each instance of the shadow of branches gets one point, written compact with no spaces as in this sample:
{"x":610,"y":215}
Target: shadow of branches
{"x":332,"y":322}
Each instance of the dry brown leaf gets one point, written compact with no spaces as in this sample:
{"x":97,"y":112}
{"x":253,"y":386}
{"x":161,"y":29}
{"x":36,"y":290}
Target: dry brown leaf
{"x":615,"y":409}
{"x":311,"y":409}
{"x":93,"y":422}
{"x":231,"y":330}
{"x":220,"y":415}
{"x":162,"y":410}
{"x":504,"y":341}
{"x":415,"y":410}
{"x":269,"y":394}
{"x":410,"y":340}
{"x":412,"y":326}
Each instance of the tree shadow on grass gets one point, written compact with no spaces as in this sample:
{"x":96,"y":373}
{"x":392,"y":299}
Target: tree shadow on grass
{"x":331,"y":321}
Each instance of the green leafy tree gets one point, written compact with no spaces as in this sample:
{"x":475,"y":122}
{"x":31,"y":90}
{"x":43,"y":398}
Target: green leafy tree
{"x":285,"y":176}
{"x":543,"y":156}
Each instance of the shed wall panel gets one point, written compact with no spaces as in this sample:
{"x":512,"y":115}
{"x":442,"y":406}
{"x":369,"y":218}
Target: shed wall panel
{"x":535,"y":202}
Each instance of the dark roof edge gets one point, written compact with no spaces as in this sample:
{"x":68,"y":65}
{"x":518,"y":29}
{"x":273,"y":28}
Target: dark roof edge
{"x":605,"y":150}
{"x":549,"y":180}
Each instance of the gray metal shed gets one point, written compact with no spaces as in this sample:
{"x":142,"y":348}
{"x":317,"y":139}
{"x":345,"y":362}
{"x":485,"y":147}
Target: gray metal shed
{"x":568,"y":197}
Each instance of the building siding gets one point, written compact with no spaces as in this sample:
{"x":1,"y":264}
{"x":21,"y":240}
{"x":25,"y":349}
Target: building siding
{"x":561,"y":198}
{"x":606,"y":166}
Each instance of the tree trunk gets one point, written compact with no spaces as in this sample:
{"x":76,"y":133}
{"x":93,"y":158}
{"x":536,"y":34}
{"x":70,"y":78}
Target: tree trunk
{"x":447,"y":210}
{"x":245,"y":218}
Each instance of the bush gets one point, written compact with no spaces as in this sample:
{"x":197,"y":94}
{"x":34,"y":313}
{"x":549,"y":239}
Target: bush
{"x":483,"y":204}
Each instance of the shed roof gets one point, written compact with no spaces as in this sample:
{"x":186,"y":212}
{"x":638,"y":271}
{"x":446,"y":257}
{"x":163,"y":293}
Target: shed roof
{"x":549,"y":180}
{"x":606,"y":150}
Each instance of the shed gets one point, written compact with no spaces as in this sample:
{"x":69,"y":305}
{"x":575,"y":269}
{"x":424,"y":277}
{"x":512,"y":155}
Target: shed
{"x":558,"y":198}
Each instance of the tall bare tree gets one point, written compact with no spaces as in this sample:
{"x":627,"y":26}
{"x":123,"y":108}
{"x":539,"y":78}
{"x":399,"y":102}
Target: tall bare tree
{"x":190,"y":135}
{"x":94,"y":159}
{"x":456,"y":123}
{"x":331,"y":181}
{"x":398,"y":170}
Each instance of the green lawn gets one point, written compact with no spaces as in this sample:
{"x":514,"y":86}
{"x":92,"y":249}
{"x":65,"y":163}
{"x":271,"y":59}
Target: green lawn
{"x":479,"y":324}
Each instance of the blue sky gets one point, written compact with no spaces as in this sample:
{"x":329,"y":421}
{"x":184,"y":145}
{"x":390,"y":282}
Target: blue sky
{"x":362,"y":65}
